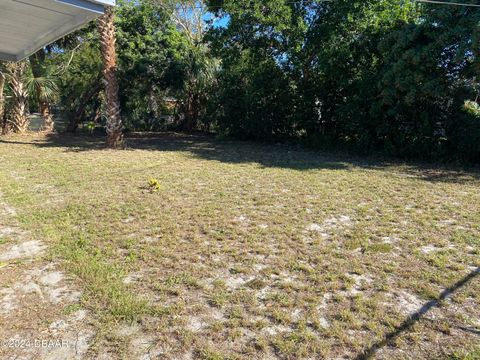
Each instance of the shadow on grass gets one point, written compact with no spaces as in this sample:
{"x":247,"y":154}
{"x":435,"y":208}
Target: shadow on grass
{"x":238,"y":152}
{"x":417,"y":316}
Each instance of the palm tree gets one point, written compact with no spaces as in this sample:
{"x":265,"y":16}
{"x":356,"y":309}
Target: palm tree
{"x":200,"y":73}
{"x":42,"y":87}
{"x":16,"y":78}
{"x":44,"y":90}
{"x":106,"y":29}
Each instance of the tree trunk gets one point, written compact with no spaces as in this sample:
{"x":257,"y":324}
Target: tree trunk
{"x":106,"y":28}
{"x":48,"y":123}
{"x":16,"y":74}
{"x":3,"y":121}
{"x":36,"y":60}
{"x":191,"y":113}
{"x":77,"y":118}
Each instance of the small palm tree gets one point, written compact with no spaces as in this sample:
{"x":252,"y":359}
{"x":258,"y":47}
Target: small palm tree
{"x":200,"y":73}
{"x":42,"y":86}
{"x":44,"y":90}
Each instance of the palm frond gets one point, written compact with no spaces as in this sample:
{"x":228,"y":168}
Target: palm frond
{"x":43,"y":88}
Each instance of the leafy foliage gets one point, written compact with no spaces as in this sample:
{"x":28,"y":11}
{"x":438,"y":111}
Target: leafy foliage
{"x":388,"y":76}
{"x":372,"y":75}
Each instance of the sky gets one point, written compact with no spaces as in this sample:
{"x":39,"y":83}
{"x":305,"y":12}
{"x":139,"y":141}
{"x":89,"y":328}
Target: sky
{"x":221,"y":22}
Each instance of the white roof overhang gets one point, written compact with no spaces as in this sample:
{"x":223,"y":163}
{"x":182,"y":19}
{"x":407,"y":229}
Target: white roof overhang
{"x":28,"y":25}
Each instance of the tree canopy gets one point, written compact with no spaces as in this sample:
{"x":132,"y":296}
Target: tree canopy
{"x":398,"y":77}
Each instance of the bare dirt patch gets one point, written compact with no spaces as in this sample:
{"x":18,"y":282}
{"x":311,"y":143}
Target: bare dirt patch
{"x":40,"y":313}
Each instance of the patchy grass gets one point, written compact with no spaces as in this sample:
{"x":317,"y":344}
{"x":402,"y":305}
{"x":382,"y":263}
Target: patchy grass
{"x":194,"y":248}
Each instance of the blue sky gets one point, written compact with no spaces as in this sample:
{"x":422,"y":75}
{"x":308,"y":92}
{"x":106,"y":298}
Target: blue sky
{"x":217,"y":21}
{"x":221,"y":22}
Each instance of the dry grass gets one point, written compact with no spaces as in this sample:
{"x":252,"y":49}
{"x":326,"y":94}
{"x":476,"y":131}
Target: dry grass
{"x":250,"y":251}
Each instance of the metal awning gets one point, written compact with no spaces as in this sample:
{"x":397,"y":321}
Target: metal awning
{"x":28,"y":25}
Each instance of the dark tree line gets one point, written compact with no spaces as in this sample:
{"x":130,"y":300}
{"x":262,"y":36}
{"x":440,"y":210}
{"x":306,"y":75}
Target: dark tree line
{"x":391,"y":76}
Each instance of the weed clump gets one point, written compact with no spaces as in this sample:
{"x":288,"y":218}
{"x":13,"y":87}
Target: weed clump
{"x":154,"y":185}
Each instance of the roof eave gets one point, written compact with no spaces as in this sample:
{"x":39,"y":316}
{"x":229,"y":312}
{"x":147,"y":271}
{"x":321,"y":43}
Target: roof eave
{"x":92,"y":9}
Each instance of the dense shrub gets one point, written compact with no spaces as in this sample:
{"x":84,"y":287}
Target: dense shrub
{"x":369,"y":75}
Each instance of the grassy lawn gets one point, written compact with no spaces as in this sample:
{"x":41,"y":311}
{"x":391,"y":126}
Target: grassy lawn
{"x":250,"y":251}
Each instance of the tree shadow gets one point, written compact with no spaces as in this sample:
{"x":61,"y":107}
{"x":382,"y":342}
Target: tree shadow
{"x":267,"y":155}
{"x":469,"y":330}
{"x":238,"y":152}
{"x":417,"y":316}
{"x":200,"y":146}
{"x":70,"y":143}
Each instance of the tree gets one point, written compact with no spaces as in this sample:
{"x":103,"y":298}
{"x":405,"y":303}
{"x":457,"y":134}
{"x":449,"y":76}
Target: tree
{"x":151,"y":55}
{"x":189,"y":17}
{"x":86,"y":98}
{"x":106,"y":28}
{"x":194,"y":66}
{"x":43,"y":88}
{"x":199,"y":74}
{"x":3,"y":127}
{"x":257,"y":90}
{"x":149,"y":48}
{"x":16,"y":79}
{"x":80,"y":78}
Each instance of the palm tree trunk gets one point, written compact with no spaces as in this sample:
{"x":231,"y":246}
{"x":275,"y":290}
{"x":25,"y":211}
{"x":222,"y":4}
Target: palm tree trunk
{"x":2,"y":104}
{"x":48,"y":123}
{"x":106,"y":28}
{"x":16,"y":77}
